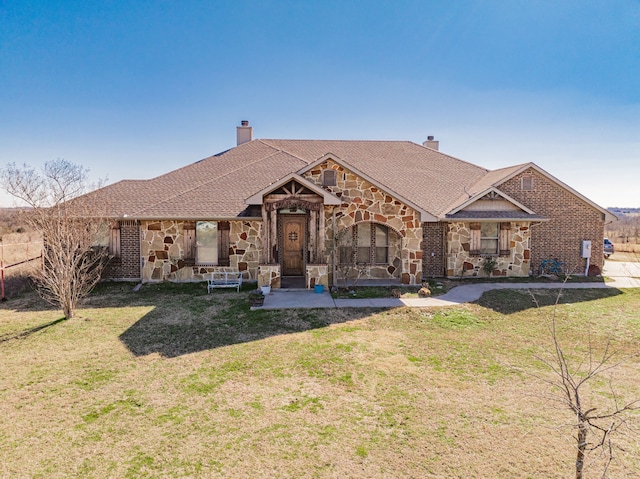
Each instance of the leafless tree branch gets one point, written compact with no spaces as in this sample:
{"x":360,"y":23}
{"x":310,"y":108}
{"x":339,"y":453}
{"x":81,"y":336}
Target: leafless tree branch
{"x":71,"y":226}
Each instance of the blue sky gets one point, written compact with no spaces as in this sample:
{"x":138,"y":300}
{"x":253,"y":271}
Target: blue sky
{"x":136,"y":89}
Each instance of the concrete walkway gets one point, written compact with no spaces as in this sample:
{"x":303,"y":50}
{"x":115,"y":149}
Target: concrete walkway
{"x":620,"y":275}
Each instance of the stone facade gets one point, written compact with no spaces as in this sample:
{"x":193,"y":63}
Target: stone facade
{"x":364,"y":202}
{"x":461,"y":263}
{"x":163,"y":256}
{"x":269,"y":275}
{"x":155,"y":250}
{"x":317,"y":274}
{"x":571,"y":220}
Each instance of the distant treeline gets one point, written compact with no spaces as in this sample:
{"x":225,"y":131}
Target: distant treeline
{"x":624,"y":211}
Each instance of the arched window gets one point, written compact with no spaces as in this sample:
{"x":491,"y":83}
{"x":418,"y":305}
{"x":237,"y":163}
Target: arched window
{"x":365,"y":243}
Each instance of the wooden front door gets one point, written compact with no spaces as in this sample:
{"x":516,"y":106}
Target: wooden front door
{"x":293,"y":228}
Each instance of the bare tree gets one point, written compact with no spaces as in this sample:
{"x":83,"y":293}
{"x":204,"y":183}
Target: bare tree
{"x":594,"y":429}
{"x":348,"y":270}
{"x":71,"y":224}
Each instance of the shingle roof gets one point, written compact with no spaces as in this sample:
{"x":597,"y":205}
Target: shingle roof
{"x":217,"y":186}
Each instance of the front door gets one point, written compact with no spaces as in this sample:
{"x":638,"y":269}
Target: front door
{"x":293,"y":228}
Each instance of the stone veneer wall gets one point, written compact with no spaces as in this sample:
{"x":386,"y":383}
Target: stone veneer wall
{"x":162,"y":249}
{"x":571,"y":220}
{"x":364,"y":202}
{"x":269,"y":275}
{"x":460,"y":263}
{"x":127,"y":266}
{"x":317,"y":274}
{"x":433,"y":254}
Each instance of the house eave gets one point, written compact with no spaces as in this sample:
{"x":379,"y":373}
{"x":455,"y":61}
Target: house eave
{"x":188,"y":218}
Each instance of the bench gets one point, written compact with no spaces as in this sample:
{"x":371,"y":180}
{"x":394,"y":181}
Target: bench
{"x":225,"y":279}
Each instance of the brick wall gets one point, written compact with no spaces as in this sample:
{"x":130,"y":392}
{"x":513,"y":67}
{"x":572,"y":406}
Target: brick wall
{"x":571,"y":221}
{"x":433,"y":249}
{"x":127,"y":266}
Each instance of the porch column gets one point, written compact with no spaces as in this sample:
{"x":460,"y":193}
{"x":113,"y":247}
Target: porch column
{"x":274,"y":234}
{"x":266,"y":237}
{"x":322,"y":235}
{"x":313,"y":235}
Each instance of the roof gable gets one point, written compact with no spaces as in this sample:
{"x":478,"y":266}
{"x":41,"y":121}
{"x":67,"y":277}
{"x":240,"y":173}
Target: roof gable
{"x":514,"y":171}
{"x":424,"y":215}
{"x":328,"y":198}
{"x":491,"y":194}
{"x":492,"y":205}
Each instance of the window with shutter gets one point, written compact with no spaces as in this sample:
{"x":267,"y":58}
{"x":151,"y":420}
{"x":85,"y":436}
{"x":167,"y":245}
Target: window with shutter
{"x":223,"y":243}
{"x":489,"y":237}
{"x":474,"y":239}
{"x":189,"y":240}
{"x":505,"y":234}
{"x":114,"y":240}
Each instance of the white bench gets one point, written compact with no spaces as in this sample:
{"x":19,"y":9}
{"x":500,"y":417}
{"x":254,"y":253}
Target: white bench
{"x":224,"y":279}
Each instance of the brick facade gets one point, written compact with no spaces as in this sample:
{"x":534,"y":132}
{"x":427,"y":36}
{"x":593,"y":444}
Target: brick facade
{"x":433,"y":250}
{"x":127,"y":265}
{"x":571,"y":220}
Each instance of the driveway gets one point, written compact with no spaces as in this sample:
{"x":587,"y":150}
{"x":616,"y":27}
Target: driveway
{"x":622,"y":274}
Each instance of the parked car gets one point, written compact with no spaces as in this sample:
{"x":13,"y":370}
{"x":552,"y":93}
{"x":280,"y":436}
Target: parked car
{"x":608,"y":248}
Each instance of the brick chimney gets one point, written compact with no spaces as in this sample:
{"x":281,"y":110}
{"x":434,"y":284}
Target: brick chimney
{"x":244,"y":132}
{"x":431,"y":143}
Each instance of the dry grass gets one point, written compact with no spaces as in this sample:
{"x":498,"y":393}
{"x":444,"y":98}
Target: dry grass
{"x":172,"y":382}
{"x":625,"y":257}
{"x":627,"y":248}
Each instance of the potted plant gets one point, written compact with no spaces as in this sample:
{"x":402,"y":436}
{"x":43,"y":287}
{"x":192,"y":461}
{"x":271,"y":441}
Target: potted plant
{"x":256,"y":298}
{"x":489,"y":265}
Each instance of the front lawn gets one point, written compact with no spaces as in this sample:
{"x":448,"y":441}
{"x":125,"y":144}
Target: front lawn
{"x":173,"y":382}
